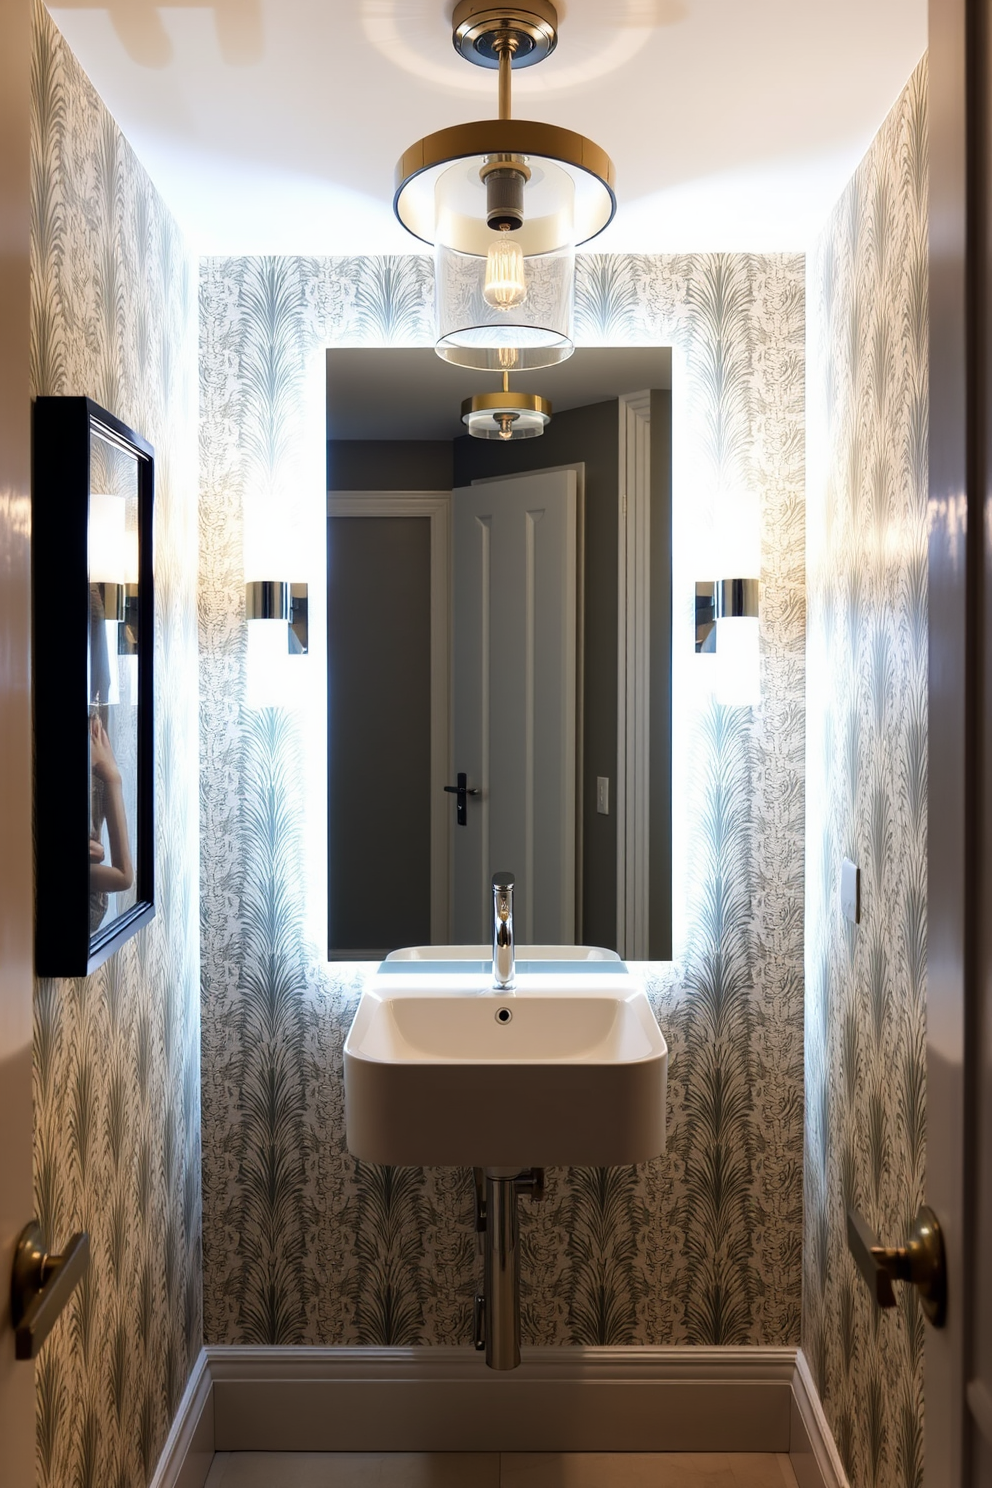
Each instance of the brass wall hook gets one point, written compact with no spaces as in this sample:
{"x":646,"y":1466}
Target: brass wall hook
{"x":41,"y":1285}
{"x":920,"y":1261}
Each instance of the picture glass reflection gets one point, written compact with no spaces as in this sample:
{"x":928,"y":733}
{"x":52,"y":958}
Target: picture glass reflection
{"x":113,"y":680}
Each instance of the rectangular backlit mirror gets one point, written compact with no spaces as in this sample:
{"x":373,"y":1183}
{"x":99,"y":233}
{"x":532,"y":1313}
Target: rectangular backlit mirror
{"x":499,"y":656}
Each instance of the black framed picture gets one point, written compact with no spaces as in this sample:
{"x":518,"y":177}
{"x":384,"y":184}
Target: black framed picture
{"x":93,"y":483}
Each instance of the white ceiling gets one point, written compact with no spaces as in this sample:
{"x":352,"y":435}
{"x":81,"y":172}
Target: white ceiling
{"x":273,"y":126}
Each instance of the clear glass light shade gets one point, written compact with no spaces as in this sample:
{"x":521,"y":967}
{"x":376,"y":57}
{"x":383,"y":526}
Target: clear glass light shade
{"x":532,"y":331}
{"x":489,"y":424}
{"x":504,"y":292}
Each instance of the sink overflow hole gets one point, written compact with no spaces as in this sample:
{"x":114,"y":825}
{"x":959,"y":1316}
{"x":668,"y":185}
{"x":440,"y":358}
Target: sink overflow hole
{"x":503,"y":1015}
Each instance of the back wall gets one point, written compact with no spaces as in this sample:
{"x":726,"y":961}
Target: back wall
{"x":301,"y":1243}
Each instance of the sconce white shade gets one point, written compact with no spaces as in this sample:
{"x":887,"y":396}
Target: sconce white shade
{"x":738,"y":661}
{"x":112,"y":545}
{"x":269,"y":675}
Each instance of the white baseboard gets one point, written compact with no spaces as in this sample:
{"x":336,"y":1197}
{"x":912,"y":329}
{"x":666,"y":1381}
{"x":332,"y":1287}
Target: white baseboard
{"x":189,"y":1446}
{"x":445,"y":1399}
{"x":427,"y":1399}
{"x":815,"y":1459}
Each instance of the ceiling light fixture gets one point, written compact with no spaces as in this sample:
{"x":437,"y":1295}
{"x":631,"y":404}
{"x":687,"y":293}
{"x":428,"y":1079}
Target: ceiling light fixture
{"x":506,"y":415}
{"x":504,"y":203}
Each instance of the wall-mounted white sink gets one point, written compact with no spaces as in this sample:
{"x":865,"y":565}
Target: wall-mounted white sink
{"x":485,"y":952}
{"x":437,"y":1074}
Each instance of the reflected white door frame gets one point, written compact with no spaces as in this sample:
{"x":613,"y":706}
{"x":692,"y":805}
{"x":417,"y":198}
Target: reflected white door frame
{"x":634,"y":676}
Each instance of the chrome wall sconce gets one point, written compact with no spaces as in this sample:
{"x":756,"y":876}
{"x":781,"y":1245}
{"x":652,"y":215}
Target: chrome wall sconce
{"x":120,"y":603}
{"x":724,"y":599}
{"x":274,"y":599}
{"x":727,"y":613}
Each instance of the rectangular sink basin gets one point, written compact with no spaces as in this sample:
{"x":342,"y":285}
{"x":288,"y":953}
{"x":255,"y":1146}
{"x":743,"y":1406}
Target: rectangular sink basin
{"x":442,"y":1070}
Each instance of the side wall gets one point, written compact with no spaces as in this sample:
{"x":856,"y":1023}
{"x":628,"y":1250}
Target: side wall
{"x":867,"y":397}
{"x":303,"y":1245}
{"x":116,"y":1065}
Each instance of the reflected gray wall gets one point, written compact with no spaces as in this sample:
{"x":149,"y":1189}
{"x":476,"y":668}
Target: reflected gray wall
{"x":389,"y":465}
{"x":378,"y":733}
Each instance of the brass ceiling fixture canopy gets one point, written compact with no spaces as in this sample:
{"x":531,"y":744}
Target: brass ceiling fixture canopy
{"x":504,"y":202}
{"x":506,"y":415}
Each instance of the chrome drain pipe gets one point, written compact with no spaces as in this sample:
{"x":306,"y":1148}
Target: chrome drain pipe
{"x":501,"y":1287}
{"x":502,"y":1283}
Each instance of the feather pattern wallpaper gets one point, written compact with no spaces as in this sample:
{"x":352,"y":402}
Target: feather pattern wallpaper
{"x":116,"y":1055}
{"x":302,"y":1244}
{"x":867,"y":789}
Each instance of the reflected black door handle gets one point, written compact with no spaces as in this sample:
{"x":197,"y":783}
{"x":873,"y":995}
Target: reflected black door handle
{"x":461,"y":793}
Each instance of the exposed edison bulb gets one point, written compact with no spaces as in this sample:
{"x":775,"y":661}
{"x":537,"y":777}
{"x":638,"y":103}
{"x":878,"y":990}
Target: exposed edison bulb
{"x":508,"y":357}
{"x":506,"y":285}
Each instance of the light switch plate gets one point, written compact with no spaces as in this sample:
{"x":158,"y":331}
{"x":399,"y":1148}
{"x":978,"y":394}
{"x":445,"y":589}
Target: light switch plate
{"x":850,"y":891}
{"x":603,"y":795}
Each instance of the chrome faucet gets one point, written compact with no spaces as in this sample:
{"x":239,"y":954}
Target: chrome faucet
{"x":503,"y":948}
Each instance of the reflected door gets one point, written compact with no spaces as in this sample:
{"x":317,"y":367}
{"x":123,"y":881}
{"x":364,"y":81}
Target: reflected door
{"x":514,"y":691}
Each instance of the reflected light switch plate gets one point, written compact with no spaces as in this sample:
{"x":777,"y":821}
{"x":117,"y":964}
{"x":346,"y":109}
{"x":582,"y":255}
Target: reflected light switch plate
{"x":603,"y":795}
{"x":850,"y":891}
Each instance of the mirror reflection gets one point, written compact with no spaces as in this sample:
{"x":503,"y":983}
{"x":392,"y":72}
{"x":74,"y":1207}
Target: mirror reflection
{"x":112,"y":545}
{"x":499,"y":649}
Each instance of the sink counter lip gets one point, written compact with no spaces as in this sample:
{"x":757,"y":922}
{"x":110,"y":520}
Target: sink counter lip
{"x":618,"y":983}
{"x":620,"y":989}
{"x":479,"y":971}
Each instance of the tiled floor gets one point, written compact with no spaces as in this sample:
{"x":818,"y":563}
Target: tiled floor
{"x":501,"y":1470}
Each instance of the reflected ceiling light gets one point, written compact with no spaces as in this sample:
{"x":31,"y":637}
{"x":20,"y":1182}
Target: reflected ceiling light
{"x":504,"y":204}
{"x":506,"y":415}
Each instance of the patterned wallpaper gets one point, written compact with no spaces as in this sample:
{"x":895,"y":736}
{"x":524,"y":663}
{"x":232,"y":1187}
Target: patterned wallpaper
{"x":867,"y":788}
{"x":301,"y":1243}
{"x":116,"y":1065}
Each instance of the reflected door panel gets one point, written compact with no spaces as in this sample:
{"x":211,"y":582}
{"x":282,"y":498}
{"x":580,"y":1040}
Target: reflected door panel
{"x":514,"y":703}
